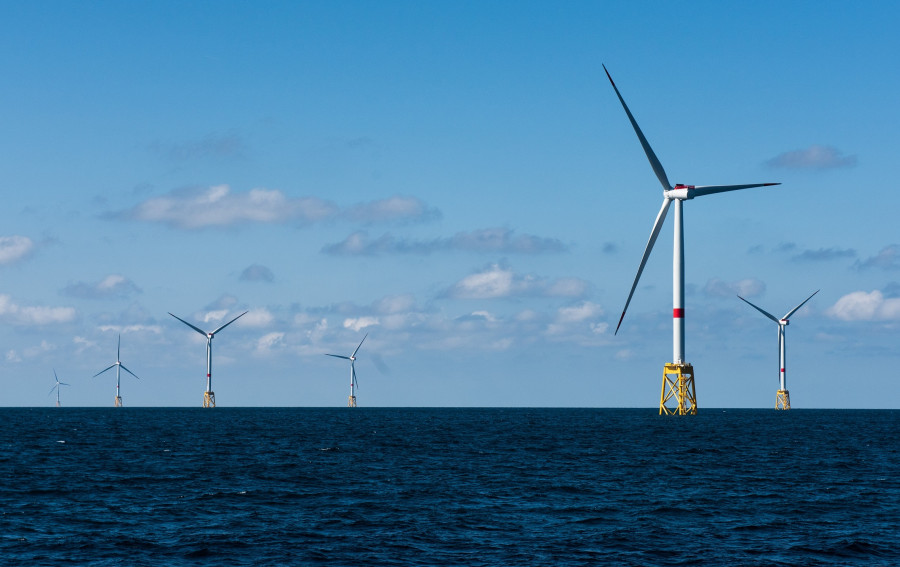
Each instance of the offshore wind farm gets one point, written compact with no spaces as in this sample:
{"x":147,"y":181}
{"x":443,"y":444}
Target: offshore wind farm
{"x":448,"y":198}
{"x":484,"y":228}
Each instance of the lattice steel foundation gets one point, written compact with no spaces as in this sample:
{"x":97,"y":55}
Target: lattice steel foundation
{"x":209,"y":399}
{"x":783,"y":400}
{"x":678,"y":384}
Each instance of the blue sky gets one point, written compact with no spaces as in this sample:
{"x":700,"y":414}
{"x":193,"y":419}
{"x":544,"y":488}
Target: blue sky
{"x":459,"y":181}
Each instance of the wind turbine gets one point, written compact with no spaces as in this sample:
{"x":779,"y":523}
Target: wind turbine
{"x":209,"y":398}
{"x":118,"y":365}
{"x":783,"y":397}
{"x":351,"y":401}
{"x":678,"y":376}
{"x":57,"y":387}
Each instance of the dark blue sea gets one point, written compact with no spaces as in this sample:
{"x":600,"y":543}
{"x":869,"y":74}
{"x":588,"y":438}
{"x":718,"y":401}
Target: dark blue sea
{"x":383,"y":486}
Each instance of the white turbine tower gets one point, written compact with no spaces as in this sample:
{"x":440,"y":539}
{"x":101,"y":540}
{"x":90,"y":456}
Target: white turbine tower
{"x":783,"y":397}
{"x":209,"y":398}
{"x":118,"y":365}
{"x":678,"y":376}
{"x":351,"y":401}
{"x":57,"y":387}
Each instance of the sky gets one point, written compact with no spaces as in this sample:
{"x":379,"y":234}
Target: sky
{"x":455,"y":181}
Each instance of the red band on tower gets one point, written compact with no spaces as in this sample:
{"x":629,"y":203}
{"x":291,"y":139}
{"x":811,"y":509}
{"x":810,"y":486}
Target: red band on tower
{"x":678,"y":313}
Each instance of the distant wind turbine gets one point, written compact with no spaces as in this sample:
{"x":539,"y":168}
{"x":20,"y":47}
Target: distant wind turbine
{"x":209,"y":398}
{"x":117,"y":365}
{"x":783,"y":397}
{"x":351,"y":402}
{"x":678,"y":376}
{"x":57,"y":387}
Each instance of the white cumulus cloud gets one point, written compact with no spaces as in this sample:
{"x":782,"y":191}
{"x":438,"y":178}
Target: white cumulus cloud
{"x":14,"y":248}
{"x":33,"y":316}
{"x":498,"y":281}
{"x":218,"y":207}
{"x":355,"y":324}
{"x":865,"y":306}
{"x":256,"y":318}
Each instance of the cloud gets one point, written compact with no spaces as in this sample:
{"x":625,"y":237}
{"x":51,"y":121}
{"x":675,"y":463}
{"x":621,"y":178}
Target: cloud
{"x":497,"y":281}
{"x":30,"y":352}
{"x":113,"y":286}
{"x":15,"y":248}
{"x":256,"y":318}
{"x":825,"y":254}
{"x":218,"y":206}
{"x":749,"y":287}
{"x":214,"y":145}
{"x":267,"y":343}
{"x":862,"y":306}
{"x":257,"y":273}
{"x":814,"y":157}
{"x":155,"y":329}
{"x":887,"y":259}
{"x":33,"y":316}
{"x":490,"y":240}
{"x":393,"y":209}
{"x":892,"y":289}
{"x":356,"y":324}
{"x":572,"y":319}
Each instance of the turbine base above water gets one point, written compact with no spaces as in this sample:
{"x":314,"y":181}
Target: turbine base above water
{"x":678,"y":385}
{"x":209,"y":399}
{"x":783,"y":400}
{"x":351,"y":402}
{"x":118,"y":402}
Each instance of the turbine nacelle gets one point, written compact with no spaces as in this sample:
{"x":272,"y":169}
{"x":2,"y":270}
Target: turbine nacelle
{"x":680,"y":192}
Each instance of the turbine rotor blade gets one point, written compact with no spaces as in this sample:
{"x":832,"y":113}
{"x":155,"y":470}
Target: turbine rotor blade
{"x":104,"y":370}
{"x":766,"y":313}
{"x":230,"y":322}
{"x":128,"y":371}
{"x":360,"y":344}
{"x":702,"y":190}
{"x":353,"y":371}
{"x":202,"y":332}
{"x":794,"y":310}
{"x":339,"y":356}
{"x":657,"y":225}
{"x":654,"y":161}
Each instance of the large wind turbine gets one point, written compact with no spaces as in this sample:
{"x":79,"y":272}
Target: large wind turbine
{"x":57,"y":387}
{"x":351,"y":401}
{"x":783,"y":397}
{"x":118,"y":365}
{"x":678,"y":376}
{"x":209,"y":398}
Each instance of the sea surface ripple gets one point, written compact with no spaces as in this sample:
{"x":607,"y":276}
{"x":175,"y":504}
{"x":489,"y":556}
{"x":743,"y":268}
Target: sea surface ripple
{"x":448,"y":486}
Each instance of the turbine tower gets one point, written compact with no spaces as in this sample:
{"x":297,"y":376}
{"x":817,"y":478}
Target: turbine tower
{"x":57,"y":387}
{"x":782,"y":397}
{"x":118,"y":365}
{"x":351,"y":401}
{"x":678,"y":375}
{"x":209,"y":398}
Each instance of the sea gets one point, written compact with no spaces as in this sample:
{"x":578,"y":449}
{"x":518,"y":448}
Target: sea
{"x":448,"y":486}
